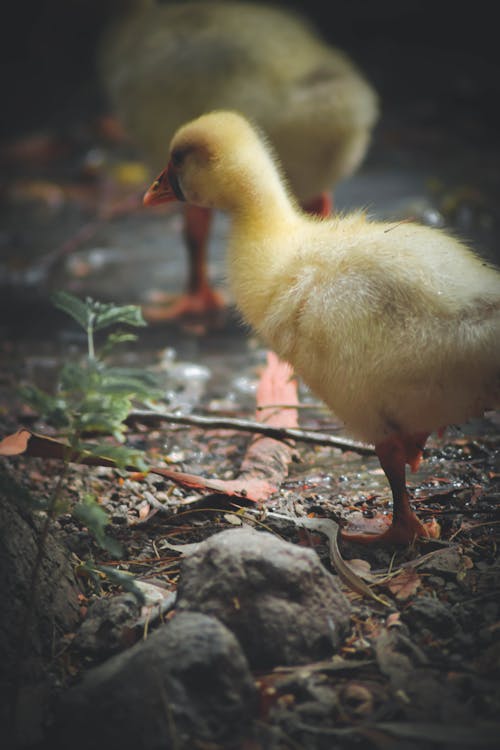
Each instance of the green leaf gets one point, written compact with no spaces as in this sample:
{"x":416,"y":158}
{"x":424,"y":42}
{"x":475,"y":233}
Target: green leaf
{"x":77,"y":380}
{"x":127,"y":381}
{"x":122,"y":455}
{"x":51,"y":408}
{"x":72,"y":306}
{"x":100,"y":314}
{"x":105,"y":414}
{"x":118,"y":577}
{"x":145,"y":377}
{"x":109,"y":315}
{"x":119,"y":337}
{"x":95,"y":518}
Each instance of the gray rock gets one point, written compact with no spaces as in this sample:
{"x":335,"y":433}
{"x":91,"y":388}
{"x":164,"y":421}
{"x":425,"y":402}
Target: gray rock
{"x":444,"y":562}
{"x":32,"y":620}
{"x":426,"y":611}
{"x":277,"y":598}
{"x":106,"y":629}
{"x":188,"y":683}
{"x":53,"y":607}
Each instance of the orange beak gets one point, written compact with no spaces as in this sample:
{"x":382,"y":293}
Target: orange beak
{"x":164,"y":189}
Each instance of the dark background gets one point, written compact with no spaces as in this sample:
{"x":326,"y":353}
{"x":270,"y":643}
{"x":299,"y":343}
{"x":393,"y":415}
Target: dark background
{"x":427,"y":59}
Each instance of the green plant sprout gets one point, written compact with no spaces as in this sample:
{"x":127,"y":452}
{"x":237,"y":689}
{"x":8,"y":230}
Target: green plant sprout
{"x":94,"y":399}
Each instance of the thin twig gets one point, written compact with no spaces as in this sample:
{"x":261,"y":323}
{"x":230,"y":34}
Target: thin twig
{"x":247,"y":425}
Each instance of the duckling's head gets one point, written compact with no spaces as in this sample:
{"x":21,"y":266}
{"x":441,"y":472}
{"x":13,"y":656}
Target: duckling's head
{"x":218,"y":161}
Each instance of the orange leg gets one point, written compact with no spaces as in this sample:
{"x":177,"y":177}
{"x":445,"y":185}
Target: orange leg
{"x":199,"y":299}
{"x":197,"y":224}
{"x":322,"y":205}
{"x":393,"y":455}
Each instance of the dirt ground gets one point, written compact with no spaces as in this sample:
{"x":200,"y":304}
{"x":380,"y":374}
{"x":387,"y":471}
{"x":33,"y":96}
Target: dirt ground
{"x":422,"y":672}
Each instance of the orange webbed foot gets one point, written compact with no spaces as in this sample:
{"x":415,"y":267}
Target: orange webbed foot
{"x":206,"y":303}
{"x":402,"y":532}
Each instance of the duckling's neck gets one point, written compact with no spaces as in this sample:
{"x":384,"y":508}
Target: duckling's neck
{"x":260,"y":202}
{"x":259,"y":248}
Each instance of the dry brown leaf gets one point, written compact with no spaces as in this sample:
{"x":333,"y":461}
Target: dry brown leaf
{"x":393,"y":620}
{"x":361,"y":568}
{"x":15,"y":444}
{"x":34,"y":149}
{"x":40,"y":446}
{"x":266,"y":460}
{"x":405,"y":584}
{"x":39,"y":191}
{"x":144,"y":510}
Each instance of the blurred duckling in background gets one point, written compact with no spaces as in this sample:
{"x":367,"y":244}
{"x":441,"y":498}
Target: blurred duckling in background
{"x":396,"y":326}
{"x":164,"y":64}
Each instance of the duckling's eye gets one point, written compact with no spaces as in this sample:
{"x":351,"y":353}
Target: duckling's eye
{"x":177,"y":157}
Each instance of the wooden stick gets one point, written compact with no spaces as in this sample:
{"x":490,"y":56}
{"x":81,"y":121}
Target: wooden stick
{"x":247,"y":425}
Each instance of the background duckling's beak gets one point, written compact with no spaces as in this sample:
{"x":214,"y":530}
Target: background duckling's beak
{"x":160,"y":191}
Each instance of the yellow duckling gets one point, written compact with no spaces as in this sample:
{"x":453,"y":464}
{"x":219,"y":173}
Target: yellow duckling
{"x":395,"y":326}
{"x":164,"y":64}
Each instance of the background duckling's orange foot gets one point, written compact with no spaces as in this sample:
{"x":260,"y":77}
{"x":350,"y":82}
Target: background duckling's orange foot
{"x":403,"y":532}
{"x":206,"y":303}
